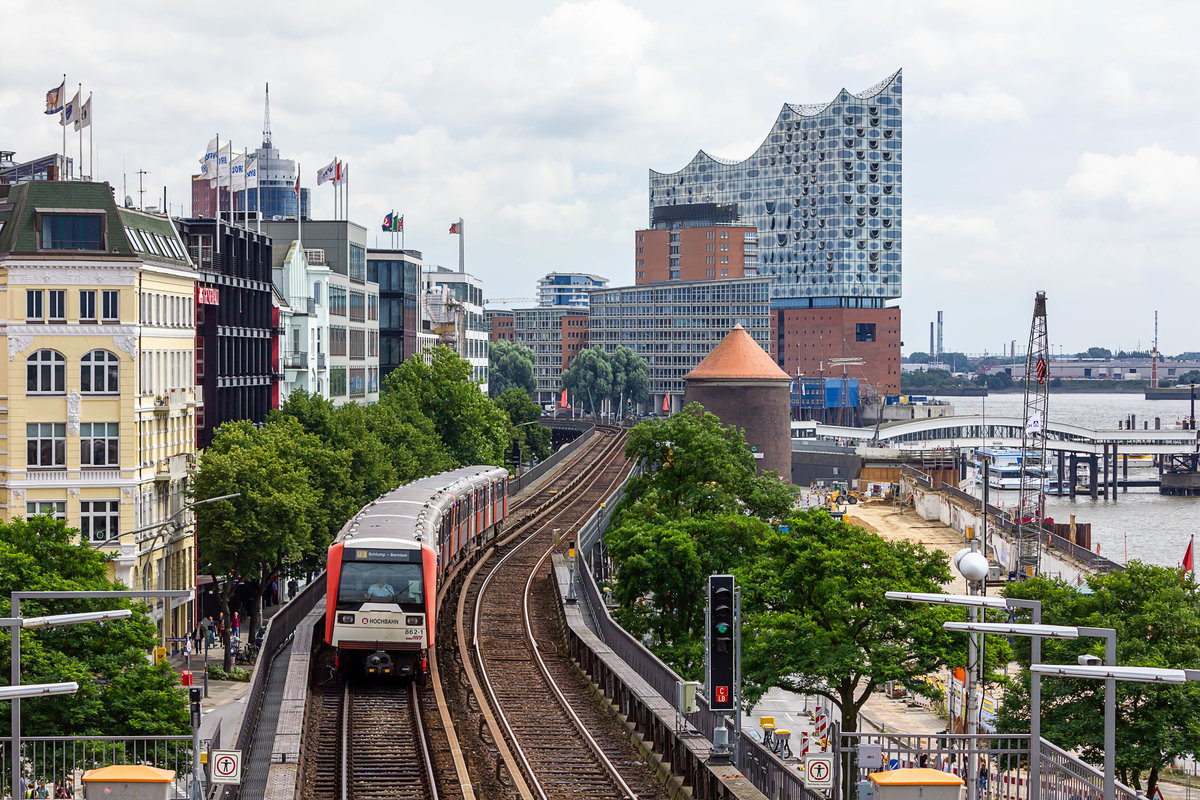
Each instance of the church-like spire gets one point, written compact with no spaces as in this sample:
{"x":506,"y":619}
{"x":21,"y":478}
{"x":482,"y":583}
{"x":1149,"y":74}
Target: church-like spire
{"x":267,"y":119}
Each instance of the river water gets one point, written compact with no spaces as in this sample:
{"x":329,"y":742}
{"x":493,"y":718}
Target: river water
{"x":1140,"y":523}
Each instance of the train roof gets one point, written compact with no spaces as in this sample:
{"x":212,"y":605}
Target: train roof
{"x":410,"y":512}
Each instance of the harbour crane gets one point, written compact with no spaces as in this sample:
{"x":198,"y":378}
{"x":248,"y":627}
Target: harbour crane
{"x":1031,"y":499}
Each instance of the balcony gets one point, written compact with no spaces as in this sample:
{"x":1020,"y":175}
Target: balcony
{"x":171,"y":469}
{"x":174,"y":400}
{"x":295,"y":360}
{"x":320,"y":361}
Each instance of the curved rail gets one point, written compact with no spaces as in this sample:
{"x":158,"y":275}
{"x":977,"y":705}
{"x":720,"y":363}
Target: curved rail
{"x":580,"y":492}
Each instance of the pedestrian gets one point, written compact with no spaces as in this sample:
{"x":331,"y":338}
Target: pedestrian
{"x":210,"y":631}
{"x":293,"y":588}
{"x":983,"y":778}
{"x":237,"y":624}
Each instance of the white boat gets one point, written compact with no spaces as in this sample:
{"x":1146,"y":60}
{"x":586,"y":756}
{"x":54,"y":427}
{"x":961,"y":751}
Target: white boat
{"x":1004,"y":470}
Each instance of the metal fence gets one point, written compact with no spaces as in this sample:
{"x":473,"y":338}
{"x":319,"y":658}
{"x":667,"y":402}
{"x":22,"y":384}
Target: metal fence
{"x":525,"y":478}
{"x":1065,"y":777}
{"x":763,"y":768}
{"x":54,"y":762}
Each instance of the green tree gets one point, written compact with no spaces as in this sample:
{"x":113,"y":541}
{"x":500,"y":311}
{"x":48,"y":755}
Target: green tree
{"x":631,"y":379}
{"x":819,"y":620}
{"x":1189,"y":377}
{"x":523,"y":413}
{"x":1156,"y":614}
{"x":268,"y":526}
{"x":510,"y":365}
{"x":695,"y":465}
{"x":918,"y":358}
{"x":472,"y":429}
{"x":408,"y":437}
{"x":590,"y":376}
{"x":1095,"y":352}
{"x":119,"y":692}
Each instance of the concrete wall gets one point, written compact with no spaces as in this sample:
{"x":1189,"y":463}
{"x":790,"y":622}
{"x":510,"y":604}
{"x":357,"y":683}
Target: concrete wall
{"x":808,"y":466}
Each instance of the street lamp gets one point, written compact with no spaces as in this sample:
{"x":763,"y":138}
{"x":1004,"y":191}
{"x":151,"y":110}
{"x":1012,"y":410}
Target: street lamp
{"x":37,"y":690}
{"x":1036,"y":632}
{"x":16,"y":623}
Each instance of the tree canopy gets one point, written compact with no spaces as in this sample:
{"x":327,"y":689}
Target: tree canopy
{"x":589,"y":377}
{"x":1156,"y":614}
{"x":119,"y":692}
{"x":510,"y":365}
{"x":523,"y":413}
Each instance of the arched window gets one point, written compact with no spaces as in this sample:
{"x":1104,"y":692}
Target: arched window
{"x":100,"y":373}
{"x":46,"y":373}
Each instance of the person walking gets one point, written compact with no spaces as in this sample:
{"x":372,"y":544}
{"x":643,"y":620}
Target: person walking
{"x":237,"y":624}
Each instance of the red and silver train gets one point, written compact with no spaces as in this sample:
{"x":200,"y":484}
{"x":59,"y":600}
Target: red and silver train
{"x":386,"y":564}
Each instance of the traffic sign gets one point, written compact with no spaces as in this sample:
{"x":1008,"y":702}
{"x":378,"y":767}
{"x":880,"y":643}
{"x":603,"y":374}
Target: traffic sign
{"x":226,"y":766}
{"x":820,"y":771}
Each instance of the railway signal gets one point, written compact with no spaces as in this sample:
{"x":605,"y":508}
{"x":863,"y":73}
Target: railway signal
{"x":723,"y":650}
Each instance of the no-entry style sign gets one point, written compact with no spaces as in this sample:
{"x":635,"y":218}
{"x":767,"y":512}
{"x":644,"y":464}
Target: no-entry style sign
{"x":819,"y":769}
{"x":226,"y":766}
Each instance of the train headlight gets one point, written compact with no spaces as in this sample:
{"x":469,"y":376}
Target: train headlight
{"x":412,"y":620}
{"x":345,"y":619}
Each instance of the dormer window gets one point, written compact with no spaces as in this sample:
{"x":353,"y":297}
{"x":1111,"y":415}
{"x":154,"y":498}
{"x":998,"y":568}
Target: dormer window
{"x":72,"y":231}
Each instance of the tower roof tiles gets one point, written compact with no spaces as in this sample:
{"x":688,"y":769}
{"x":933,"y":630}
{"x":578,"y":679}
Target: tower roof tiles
{"x":738,"y":357}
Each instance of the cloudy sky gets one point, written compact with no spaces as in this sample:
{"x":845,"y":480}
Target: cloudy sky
{"x":1048,"y":145}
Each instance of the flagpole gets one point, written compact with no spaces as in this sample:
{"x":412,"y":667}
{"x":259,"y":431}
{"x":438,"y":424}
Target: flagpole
{"x":217,"y":167}
{"x":62,"y":116}
{"x":462,"y":237}
{"x":346,"y":190}
{"x":91,"y":140}
{"x":80,"y":96}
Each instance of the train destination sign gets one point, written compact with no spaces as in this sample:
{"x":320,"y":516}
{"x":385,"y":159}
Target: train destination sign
{"x":361,"y":554}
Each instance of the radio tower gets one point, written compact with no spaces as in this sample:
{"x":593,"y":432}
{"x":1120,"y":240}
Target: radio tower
{"x":1154,"y":356}
{"x":1031,"y":502}
{"x":267,"y":119}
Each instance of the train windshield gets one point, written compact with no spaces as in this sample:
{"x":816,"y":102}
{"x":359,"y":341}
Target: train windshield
{"x":374,"y":582}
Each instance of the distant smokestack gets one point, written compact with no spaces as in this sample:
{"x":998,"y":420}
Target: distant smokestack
{"x":939,"y":335}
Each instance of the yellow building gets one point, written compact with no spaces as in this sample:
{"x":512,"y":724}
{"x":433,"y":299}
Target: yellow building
{"x":99,"y":395}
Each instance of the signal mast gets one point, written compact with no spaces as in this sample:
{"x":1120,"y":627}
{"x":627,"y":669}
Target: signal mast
{"x":1031,"y":500}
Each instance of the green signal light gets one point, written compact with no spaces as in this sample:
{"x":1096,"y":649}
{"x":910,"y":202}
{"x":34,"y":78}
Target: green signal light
{"x":722,"y":628}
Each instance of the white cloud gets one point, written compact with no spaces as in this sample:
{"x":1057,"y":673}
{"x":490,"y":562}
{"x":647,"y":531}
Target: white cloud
{"x":1150,"y":179}
{"x":950,"y":226}
{"x":983,"y":103}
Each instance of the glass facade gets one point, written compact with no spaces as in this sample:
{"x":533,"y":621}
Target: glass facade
{"x":399,"y":282}
{"x":568,"y":289}
{"x":674,"y":326}
{"x":277,"y":187}
{"x":824,"y":190}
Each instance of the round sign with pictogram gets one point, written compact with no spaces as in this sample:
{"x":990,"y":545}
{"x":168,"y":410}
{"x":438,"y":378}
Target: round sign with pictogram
{"x":226,"y":766}
{"x":820,"y":771}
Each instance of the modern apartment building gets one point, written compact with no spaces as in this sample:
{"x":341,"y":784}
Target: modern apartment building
{"x":675,"y":325}
{"x":353,"y":304}
{"x":568,"y":289}
{"x":541,"y":330}
{"x":398,"y":273}
{"x":99,"y":316}
{"x":302,"y":283}
{"x":824,"y":193}
{"x":458,"y":312}
{"x":235,"y":331}
{"x":695,"y":242}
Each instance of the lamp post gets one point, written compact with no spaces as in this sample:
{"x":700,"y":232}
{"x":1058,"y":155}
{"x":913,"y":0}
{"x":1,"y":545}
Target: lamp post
{"x":16,"y":691}
{"x":16,"y":623}
{"x":1037,"y":632}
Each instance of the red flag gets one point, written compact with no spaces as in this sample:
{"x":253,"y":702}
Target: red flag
{"x":454,"y":228}
{"x":1187,"y":557}
{"x":562,"y":401}
{"x":666,"y":402}
{"x":297,"y":183}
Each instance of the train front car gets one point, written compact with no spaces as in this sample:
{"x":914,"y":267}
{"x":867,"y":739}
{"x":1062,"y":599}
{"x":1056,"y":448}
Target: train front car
{"x":379,"y":619}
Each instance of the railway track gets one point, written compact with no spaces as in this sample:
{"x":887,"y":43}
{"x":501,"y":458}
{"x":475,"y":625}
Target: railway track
{"x":552,"y":739}
{"x":368,"y":743}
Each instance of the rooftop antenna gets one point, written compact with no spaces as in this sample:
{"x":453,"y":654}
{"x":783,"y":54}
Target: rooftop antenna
{"x":267,"y":118}
{"x":141,"y":190}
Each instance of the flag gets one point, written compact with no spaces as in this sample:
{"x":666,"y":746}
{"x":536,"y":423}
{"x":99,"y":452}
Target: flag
{"x":387,"y":222}
{"x":343,"y":173}
{"x":237,"y":173}
{"x":252,"y":173}
{"x":54,"y":98}
{"x":70,"y":112}
{"x":297,"y":183}
{"x":1187,"y":557}
{"x":666,"y":402}
{"x":1034,"y":426}
{"x":221,"y":159}
{"x":208,"y":164}
{"x":562,"y":401}
{"x":399,"y":222}
{"x":85,"y":115}
{"x":456,"y":227}
{"x":327,"y":173}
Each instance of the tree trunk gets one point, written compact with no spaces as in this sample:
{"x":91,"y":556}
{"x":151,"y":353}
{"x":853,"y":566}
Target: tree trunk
{"x":225,"y":595}
{"x":1151,"y":781}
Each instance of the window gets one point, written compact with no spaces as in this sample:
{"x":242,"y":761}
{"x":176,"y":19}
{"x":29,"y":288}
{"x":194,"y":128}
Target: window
{"x":337,"y":301}
{"x":358,"y":262}
{"x":46,"y":373}
{"x":54,"y":508}
{"x":372,"y":306}
{"x":100,"y":373}
{"x":357,"y":307}
{"x":33,"y":306}
{"x":72,"y":231}
{"x":337,"y":381}
{"x":864,"y":332}
{"x":46,"y":444}
{"x":57,"y":305}
{"x":357,"y":344}
{"x":337,"y":340}
{"x":111,"y":305}
{"x":99,"y":445}
{"x":87,"y":305}
{"x":99,"y":519}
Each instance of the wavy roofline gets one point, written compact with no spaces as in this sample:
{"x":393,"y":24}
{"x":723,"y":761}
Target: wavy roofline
{"x":804,"y":110}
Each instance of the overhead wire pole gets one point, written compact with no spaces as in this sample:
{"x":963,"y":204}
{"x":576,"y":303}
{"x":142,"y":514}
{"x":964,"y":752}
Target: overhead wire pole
{"x":1031,"y":498}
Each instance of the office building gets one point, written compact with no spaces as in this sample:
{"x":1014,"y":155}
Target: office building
{"x":398,"y":274}
{"x":350,"y":341}
{"x":53,"y":167}
{"x":824,"y":193}
{"x":500,"y":325}
{"x":541,"y":330}
{"x":675,"y":325}
{"x":234,"y":323}
{"x":807,"y":339}
{"x":695,"y":242}
{"x":568,"y":289}
{"x":100,"y":404}
{"x":457,"y":316}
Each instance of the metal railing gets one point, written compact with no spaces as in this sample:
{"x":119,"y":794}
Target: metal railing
{"x":295,"y":360}
{"x":525,"y":478}
{"x":61,"y":761}
{"x":280,"y":628}
{"x":1068,"y":778}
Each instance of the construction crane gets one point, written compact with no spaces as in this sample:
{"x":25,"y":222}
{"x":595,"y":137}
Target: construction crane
{"x":1031,"y":499}
{"x":509,"y":301}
